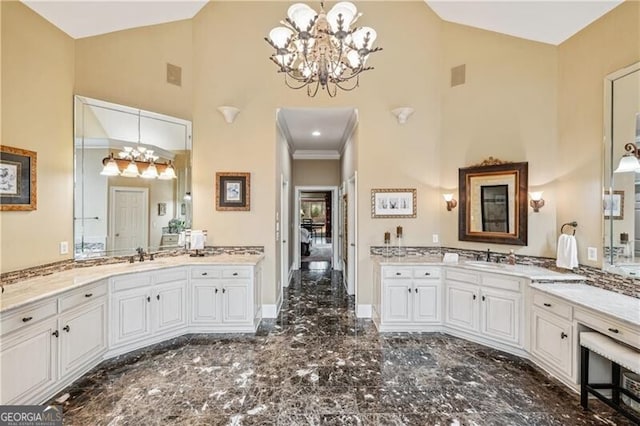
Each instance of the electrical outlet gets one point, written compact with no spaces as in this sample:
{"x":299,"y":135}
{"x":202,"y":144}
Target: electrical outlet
{"x":592,"y":253}
{"x":435,"y":238}
{"x":64,"y":247}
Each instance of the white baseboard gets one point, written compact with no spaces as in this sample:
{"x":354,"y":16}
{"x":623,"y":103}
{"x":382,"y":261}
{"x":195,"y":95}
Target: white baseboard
{"x":363,"y":311}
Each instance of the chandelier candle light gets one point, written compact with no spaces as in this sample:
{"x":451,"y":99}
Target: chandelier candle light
{"x":322,"y":50}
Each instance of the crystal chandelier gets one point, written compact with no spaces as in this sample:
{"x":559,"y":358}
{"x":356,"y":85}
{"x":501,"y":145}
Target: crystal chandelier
{"x":322,"y":50}
{"x":131,"y":160}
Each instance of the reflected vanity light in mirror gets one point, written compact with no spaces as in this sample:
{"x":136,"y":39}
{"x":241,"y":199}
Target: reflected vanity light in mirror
{"x":629,"y":161}
{"x":536,"y":201}
{"x":451,"y":202}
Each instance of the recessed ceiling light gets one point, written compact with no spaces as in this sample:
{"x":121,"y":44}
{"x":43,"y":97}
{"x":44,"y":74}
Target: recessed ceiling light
{"x":316,"y":133}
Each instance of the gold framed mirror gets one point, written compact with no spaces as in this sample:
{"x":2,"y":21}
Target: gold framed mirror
{"x":493,"y":202}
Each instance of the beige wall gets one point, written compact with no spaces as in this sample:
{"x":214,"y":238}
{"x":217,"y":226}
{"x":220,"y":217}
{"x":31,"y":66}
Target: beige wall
{"x":316,"y":172}
{"x":507,"y":110}
{"x":37,"y":114}
{"x":607,"y":45}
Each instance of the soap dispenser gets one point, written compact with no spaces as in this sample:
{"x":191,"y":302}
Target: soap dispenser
{"x":512,"y":257}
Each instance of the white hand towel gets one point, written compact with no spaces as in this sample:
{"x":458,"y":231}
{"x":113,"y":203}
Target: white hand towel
{"x":567,"y":252}
{"x":197,"y":240}
{"x":181,"y":239}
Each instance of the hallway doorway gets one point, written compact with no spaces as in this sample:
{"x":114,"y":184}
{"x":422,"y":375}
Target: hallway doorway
{"x":317,"y":214}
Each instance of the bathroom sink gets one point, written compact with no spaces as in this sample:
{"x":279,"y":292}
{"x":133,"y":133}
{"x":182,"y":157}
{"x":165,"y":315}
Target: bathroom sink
{"x":486,"y":265}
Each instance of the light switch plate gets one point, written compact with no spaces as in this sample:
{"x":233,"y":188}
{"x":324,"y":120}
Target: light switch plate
{"x":592,"y":253}
{"x":64,"y":247}
{"x":435,"y":238}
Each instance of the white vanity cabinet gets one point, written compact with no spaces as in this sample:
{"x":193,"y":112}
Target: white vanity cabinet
{"x":223,"y":298}
{"x":485,"y":307}
{"x":409,"y":298}
{"x":147,"y":307}
{"x":552,"y":335}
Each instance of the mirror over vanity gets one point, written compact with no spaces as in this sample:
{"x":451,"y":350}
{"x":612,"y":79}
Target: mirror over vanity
{"x":621,"y":180}
{"x":493,"y":202}
{"x":131,"y":179}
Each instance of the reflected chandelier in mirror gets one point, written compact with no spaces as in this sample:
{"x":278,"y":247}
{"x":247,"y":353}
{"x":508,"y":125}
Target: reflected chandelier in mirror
{"x":493,"y":202}
{"x":132,"y":170}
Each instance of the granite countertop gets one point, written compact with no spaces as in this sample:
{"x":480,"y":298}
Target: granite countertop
{"x":534,"y":273}
{"x":616,"y":305}
{"x":38,"y":288}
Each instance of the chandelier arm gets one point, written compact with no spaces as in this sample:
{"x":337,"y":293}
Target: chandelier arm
{"x":348,"y":89}
{"x":304,"y":82}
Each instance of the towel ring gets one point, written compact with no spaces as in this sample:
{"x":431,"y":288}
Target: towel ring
{"x":573,"y":224}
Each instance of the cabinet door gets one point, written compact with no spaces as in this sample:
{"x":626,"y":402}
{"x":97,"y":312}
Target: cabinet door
{"x":235,"y":302}
{"x":28,"y":363}
{"x":397,"y":301}
{"x":205,"y":308}
{"x":426,"y":301}
{"x":170,"y":306}
{"x":82,"y":336}
{"x":462,"y":306}
{"x":551,"y":340}
{"x":500,"y":314}
{"x":131,"y":315}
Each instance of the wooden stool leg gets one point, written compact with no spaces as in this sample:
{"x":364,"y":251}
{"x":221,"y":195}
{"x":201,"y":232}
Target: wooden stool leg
{"x":615,"y":380}
{"x":584,"y":377}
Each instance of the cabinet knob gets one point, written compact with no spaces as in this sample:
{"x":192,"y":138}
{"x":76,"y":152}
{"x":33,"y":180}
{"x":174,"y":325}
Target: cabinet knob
{"x":158,"y":297}
{"x":224,"y":290}
{"x":216,"y":291}
{"x":548,"y":305}
{"x":204,"y":273}
{"x":416,"y":290}
{"x":563,"y":335}
{"x":27,"y":319}
{"x":427,"y":273}
{"x":55,"y":333}
{"x":614,"y":330}
{"x":88,"y":295}
{"x":483,"y":298}
{"x":398,"y":273}
{"x":409,"y":289}
{"x":148,"y":298}
{"x":66,"y":328}
{"x":474,"y":297}
{"x":235,"y":274}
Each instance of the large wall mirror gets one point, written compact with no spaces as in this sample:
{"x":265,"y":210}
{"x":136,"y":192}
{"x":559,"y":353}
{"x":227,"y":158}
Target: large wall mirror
{"x":131,"y":179}
{"x":493,"y":203}
{"x":621,"y":192}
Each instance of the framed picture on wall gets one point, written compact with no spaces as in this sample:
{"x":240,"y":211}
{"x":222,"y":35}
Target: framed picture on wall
{"x":18,"y":190}
{"x":613,"y":205}
{"x":233,"y":191}
{"x":393,"y":203}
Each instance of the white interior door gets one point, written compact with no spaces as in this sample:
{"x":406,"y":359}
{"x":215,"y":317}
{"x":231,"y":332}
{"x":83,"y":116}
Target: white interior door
{"x":129,"y":218}
{"x":352,"y":224}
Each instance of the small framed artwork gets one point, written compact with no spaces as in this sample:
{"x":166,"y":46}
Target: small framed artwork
{"x":162,"y":209}
{"x":393,"y":203}
{"x":233,"y":191}
{"x":18,"y":189}
{"x":613,"y":205}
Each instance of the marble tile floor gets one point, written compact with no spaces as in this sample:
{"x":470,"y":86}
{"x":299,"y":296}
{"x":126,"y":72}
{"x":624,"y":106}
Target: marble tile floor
{"x":319,"y":365}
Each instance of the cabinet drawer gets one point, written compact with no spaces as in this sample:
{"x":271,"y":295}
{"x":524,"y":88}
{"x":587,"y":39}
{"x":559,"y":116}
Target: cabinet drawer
{"x":501,"y":281}
{"x":397,"y":272}
{"x":206,"y":272}
{"x":28,"y":315}
{"x":426,"y":272}
{"x":127,"y":282}
{"x":236,"y":273}
{"x":467,"y":277}
{"x":82,"y":295}
{"x":551,"y":304}
{"x":170,"y":275}
{"x":609,"y":327}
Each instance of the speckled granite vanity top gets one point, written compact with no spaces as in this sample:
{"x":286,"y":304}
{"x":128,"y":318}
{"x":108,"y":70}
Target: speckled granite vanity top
{"x":34,"y":289}
{"x":534,"y":273}
{"x":619,"y":306}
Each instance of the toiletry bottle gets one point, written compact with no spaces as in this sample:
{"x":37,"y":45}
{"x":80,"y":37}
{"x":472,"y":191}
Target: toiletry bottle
{"x":512,"y":257}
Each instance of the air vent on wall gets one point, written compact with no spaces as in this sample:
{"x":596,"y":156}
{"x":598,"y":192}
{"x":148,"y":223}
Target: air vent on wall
{"x":174,"y":74}
{"x":458,"y":75}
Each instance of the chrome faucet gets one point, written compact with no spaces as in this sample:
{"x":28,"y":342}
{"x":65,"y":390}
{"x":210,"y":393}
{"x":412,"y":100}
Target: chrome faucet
{"x":488,"y":255}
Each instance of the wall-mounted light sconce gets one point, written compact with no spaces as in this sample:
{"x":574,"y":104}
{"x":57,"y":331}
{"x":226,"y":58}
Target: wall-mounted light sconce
{"x":229,"y":113}
{"x":451,"y":202}
{"x":536,"y":201}
{"x":629,"y":162}
{"x":402,"y":114}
